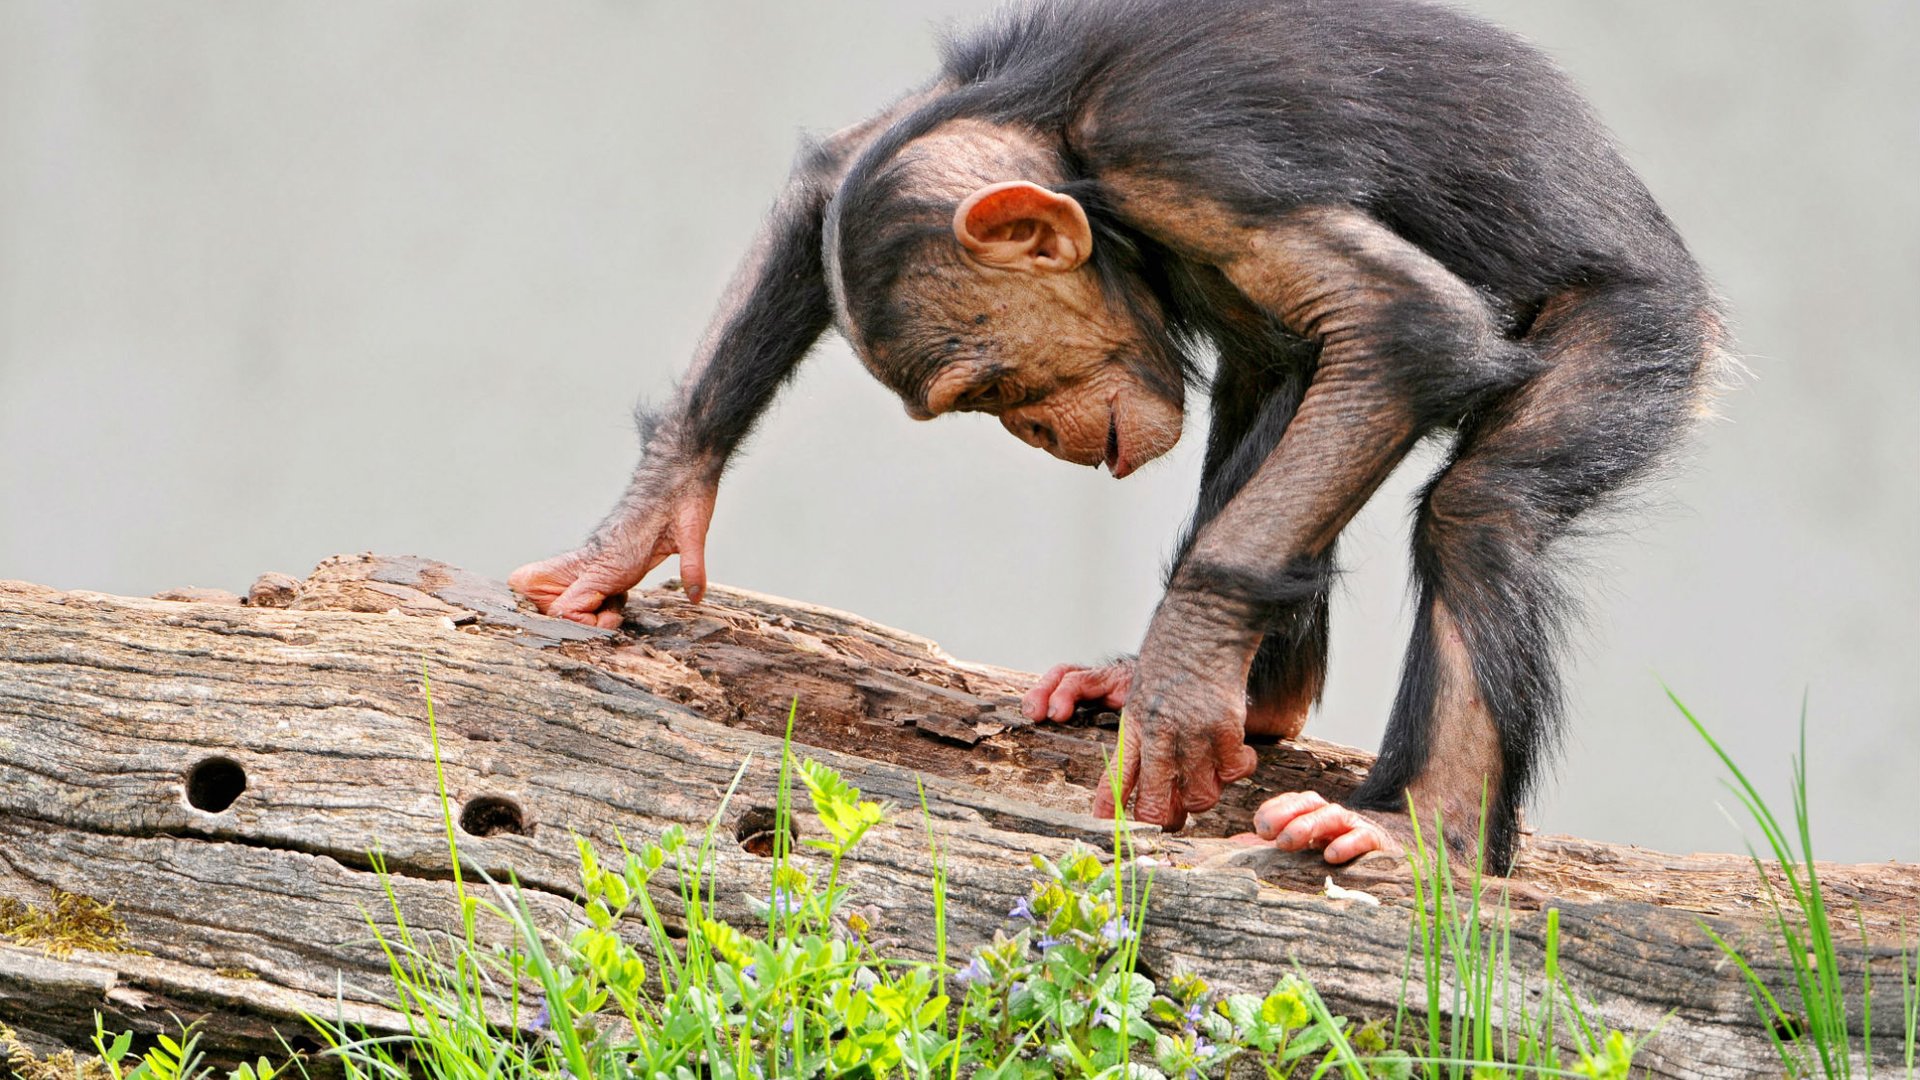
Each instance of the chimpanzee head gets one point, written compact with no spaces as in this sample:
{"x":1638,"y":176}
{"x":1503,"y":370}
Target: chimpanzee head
{"x":966,"y":286}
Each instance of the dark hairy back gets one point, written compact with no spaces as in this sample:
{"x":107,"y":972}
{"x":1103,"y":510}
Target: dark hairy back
{"x":1456,"y":134}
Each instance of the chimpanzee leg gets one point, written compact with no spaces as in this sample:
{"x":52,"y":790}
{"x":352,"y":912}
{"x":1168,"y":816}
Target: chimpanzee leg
{"x":1479,"y":697}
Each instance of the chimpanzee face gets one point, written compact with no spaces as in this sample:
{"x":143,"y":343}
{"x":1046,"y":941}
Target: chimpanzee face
{"x":1024,"y":330}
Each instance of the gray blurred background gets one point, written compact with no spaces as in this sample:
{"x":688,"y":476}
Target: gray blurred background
{"x":280,"y":280}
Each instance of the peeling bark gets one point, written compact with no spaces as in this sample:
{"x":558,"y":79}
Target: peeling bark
{"x":256,"y":911}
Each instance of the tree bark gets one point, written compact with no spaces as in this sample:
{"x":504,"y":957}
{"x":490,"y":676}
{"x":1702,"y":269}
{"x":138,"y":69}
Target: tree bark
{"x":254,"y":912}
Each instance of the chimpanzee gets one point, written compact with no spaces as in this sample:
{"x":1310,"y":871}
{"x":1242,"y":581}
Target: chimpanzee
{"x":1361,"y":223}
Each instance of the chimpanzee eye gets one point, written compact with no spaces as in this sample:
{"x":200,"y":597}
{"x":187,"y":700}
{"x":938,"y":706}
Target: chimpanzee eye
{"x":998,"y":395}
{"x":985,"y":397}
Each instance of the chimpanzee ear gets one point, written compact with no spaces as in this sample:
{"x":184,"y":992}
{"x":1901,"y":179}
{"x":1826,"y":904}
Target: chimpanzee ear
{"x":1021,"y":226}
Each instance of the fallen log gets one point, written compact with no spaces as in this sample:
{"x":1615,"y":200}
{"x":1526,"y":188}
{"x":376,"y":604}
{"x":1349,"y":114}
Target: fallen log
{"x":219,"y":770}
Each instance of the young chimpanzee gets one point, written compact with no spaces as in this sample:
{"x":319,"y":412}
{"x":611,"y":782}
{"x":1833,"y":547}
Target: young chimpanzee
{"x":1383,"y":220}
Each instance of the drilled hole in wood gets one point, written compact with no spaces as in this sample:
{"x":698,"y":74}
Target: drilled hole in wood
{"x":1787,"y":1028}
{"x":756,"y":831}
{"x":214,"y":784}
{"x":490,"y":815}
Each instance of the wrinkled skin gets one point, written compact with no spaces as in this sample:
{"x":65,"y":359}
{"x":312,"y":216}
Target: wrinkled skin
{"x":1065,"y":686}
{"x":589,"y":585}
{"x":1030,"y":338}
{"x":1184,"y":721}
{"x":1306,"y":821}
{"x":1293,"y":821}
{"x":1425,"y":250}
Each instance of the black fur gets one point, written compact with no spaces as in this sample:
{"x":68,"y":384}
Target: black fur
{"x":1571,"y":376}
{"x":762,"y":346}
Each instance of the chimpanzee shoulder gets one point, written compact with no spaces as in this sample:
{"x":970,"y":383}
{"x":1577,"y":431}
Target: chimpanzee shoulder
{"x":1457,"y":134}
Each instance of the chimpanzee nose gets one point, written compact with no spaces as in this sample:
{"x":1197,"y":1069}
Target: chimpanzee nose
{"x":1041,"y":435}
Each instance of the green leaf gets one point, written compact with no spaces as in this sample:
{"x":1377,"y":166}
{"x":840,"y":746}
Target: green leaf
{"x":1391,"y":1065}
{"x":1168,"y":1053}
{"x":931,"y":1011}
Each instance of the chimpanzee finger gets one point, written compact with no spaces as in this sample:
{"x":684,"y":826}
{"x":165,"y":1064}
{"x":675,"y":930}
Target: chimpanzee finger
{"x":1156,"y":798}
{"x":691,"y":540}
{"x":1034,"y":705}
{"x":1178,"y":819}
{"x":581,"y":602}
{"x":613,"y":612}
{"x":534,"y":582}
{"x":1236,"y":760}
{"x":1086,"y":684}
{"x":1199,"y":776}
{"x":1109,"y":685}
{"x":1066,"y":695}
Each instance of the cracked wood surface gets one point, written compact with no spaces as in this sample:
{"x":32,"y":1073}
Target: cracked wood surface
{"x":254,"y":914}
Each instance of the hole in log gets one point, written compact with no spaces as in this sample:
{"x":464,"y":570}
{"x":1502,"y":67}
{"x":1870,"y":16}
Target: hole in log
{"x":1787,"y":1028}
{"x":755,"y":831}
{"x":214,"y":784}
{"x":490,"y":815}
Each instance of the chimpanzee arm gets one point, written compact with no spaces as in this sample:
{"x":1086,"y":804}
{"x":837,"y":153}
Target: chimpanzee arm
{"x":1401,"y":340}
{"x":1257,"y":387}
{"x":769,"y":318}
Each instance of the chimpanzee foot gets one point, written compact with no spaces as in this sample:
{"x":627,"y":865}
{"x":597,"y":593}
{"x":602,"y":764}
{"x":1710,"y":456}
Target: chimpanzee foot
{"x":1305,"y":820}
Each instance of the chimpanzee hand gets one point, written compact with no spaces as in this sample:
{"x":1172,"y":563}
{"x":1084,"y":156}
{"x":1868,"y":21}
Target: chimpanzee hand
{"x":1183,"y":729}
{"x":589,"y":585}
{"x":1065,"y":686}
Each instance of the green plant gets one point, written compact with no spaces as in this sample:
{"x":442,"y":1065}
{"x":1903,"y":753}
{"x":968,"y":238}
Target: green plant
{"x":1819,"y":1040}
{"x":1478,"y":1019}
{"x":808,"y":994}
{"x":167,"y":1059}
{"x":621,"y":993}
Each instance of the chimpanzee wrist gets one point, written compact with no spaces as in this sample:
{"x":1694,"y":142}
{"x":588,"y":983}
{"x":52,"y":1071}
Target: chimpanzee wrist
{"x":1199,"y":624}
{"x":1259,"y":599}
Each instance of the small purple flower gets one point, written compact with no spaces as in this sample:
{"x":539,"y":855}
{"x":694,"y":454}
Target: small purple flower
{"x":751,"y":971}
{"x":1047,"y":942}
{"x":975,"y":971}
{"x":1115,"y":930}
{"x":786,"y":1026}
{"x":865,"y":979}
{"x":1023,"y":909}
{"x":1194,"y":1012}
{"x":1099,"y":1016}
{"x":540,"y":1021}
{"x":787,"y":903}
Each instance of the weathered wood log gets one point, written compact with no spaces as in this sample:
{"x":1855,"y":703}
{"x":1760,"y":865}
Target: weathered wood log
{"x":219,"y":771}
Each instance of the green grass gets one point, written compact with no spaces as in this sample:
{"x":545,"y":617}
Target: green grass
{"x":1808,"y":1021}
{"x":1477,"y":1012}
{"x":803,"y":990}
